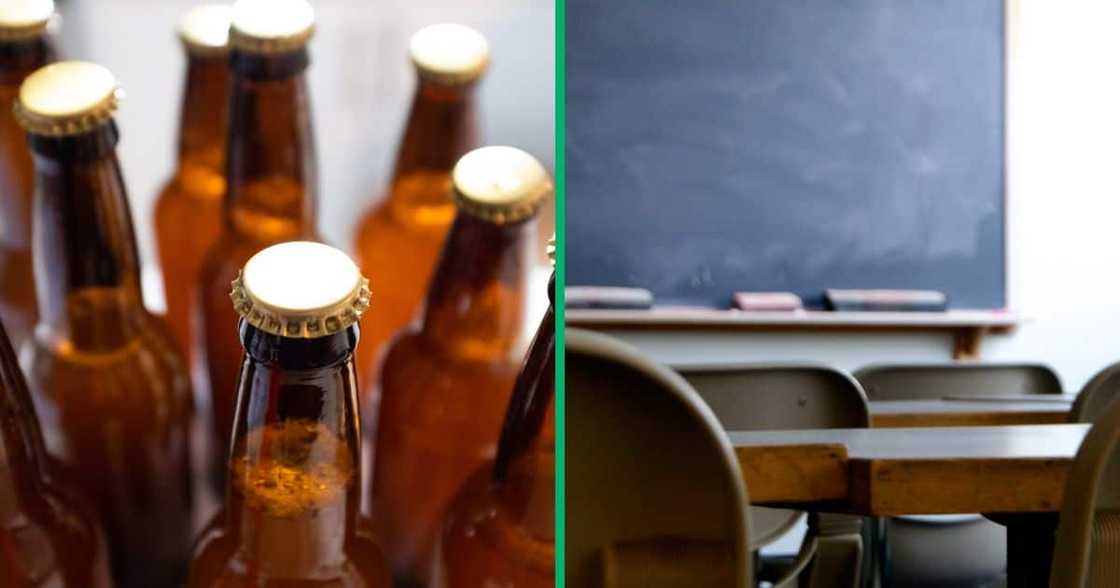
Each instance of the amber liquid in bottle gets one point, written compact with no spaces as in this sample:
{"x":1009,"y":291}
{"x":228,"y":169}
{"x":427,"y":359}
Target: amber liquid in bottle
{"x":400,"y":239}
{"x":188,"y":213}
{"x":445,"y":386}
{"x":48,"y":536}
{"x":499,"y":531}
{"x":17,"y":183}
{"x":292,"y":500}
{"x":271,"y":179}
{"x":107,"y":380}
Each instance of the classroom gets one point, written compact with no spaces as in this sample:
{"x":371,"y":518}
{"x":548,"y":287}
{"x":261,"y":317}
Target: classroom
{"x":839,"y":295}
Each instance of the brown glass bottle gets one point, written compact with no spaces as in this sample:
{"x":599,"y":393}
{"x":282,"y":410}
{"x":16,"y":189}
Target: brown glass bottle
{"x":271,"y":180}
{"x":415,"y":215}
{"x":499,"y":530}
{"x":24,"y":48}
{"x":445,"y":385}
{"x":49,"y":536}
{"x":188,"y":213}
{"x":291,"y":515}
{"x":108,"y":383}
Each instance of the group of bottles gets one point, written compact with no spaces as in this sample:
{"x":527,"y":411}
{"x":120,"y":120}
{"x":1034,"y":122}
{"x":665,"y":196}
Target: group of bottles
{"x":455,"y":488}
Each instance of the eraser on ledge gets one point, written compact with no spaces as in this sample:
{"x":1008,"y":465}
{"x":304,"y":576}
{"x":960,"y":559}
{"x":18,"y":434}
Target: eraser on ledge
{"x":886,"y":300}
{"x":767,"y":301}
{"x":607,"y":297}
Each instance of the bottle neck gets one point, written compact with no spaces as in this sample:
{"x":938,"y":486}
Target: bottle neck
{"x":17,"y":61}
{"x":531,"y":401}
{"x":87,"y":273}
{"x":21,"y":443}
{"x":202,"y":125}
{"x":271,"y":171}
{"x":475,"y":305}
{"x":294,"y":487}
{"x":442,"y":126}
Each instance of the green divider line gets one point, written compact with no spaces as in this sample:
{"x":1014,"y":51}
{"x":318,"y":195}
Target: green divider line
{"x":561,"y":256}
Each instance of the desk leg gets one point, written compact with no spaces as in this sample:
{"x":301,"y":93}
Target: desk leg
{"x":1030,"y":547}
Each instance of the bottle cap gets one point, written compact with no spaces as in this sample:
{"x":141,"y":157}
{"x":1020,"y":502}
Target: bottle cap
{"x":450,"y":54}
{"x":500,"y":184}
{"x":24,"y":19}
{"x":204,"y":30}
{"x":67,"y":98}
{"x":300,"y":289}
{"x":271,"y":26}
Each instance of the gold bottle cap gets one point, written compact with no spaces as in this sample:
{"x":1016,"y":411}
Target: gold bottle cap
{"x":550,"y":250}
{"x":204,"y":30}
{"x":24,"y":19}
{"x":500,"y":184}
{"x":300,"y":289}
{"x":271,"y":26}
{"x":450,"y":54}
{"x":67,"y":98}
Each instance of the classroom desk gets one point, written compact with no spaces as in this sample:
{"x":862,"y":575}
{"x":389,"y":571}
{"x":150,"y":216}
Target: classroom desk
{"x":883,"y":472}
{"x":961,"y":412}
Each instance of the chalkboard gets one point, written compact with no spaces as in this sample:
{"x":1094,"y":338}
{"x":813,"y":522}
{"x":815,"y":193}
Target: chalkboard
{"x":716,"y":146}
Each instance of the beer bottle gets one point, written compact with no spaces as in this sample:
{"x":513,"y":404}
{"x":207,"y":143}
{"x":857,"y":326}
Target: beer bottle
{"x":107,"y":380}
{"x":49,"y":537}
{"x":499,"y":529}
{"x":444,"y":385}
{"x":414,"y":217}
{"x":291,"y":515}
{"x":189,"y":209}
{"x":24,"y":48}
{"x":270,"y":179}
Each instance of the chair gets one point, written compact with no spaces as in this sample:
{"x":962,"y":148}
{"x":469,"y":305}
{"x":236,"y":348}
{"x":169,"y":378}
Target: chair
{"x":655,"y":497}
{"x":753,"y":397}
{"x":1087,"y":548}
{"x":938,"y":380}
{"x":916,"y":547}
{"x":1096,"y":395}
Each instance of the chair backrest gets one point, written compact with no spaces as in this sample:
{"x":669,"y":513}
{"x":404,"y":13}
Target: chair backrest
{"x":1097,"y":395}
{"x":647,"y":463}
{"x":753,"y":397}
{"x":758,"y":397}
{"x":1087,"y":549}
{"x":937,"y":380}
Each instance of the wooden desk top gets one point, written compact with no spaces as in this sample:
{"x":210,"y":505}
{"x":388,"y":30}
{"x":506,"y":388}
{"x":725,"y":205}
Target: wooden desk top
{"x":970,"y":412}
{"x":911,"y":470}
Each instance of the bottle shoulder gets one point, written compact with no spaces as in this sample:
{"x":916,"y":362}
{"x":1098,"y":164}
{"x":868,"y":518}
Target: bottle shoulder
{"x":486,"y":538}
{"x":147,"y":360}
{"x":216,"y":562}
{"x":57,"y":533}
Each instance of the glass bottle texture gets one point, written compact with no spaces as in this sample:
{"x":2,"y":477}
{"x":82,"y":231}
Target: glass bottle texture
{"x":49,"y":535}
{"x":414,"y":217}
{"x":24,"y":48}
{"x":444,"y":385}
{"x":189,"y":208}
{"x":499,"y":530}
{"x":107,"y":380}
{"x":270,"y":178}
{"x":291,"y":515}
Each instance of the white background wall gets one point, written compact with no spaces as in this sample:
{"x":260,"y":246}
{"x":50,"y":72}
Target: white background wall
{"x":361,"y":84}
{"x":1063,"y":213}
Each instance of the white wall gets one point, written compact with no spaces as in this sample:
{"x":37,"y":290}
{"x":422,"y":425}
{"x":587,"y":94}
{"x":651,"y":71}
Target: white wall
{"x":1063,"y":217}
